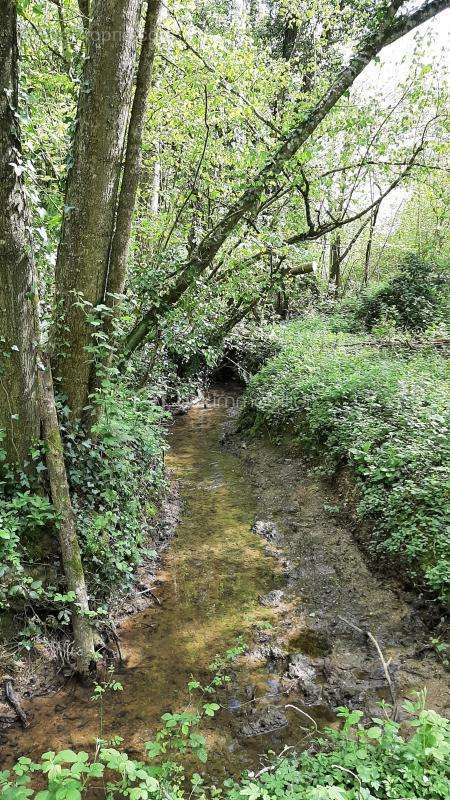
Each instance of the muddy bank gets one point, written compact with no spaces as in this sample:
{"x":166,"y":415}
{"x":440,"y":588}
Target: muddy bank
{"x":257,"y":554}
{"x":329,"y":584}
{"x":49,"y":666}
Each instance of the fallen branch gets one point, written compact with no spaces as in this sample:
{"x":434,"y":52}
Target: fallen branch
{"x":413,"y":344}
{"x":114,"y":636}
{"x":372,"y":639}
{"x":13,"y":700}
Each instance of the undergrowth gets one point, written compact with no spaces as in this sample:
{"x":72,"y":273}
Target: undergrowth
{"x":116,"y":476}
{"x":361,"y":761}
{"x":380,"y":409}
{"x":415,"y":299}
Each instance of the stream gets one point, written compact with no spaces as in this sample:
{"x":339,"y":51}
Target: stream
{"x":283,"y":585}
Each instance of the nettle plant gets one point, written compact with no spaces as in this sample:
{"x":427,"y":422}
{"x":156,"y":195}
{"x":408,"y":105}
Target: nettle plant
{"x":380,"y":409}
{"x":361,"y":761}
{"x":69,"y":774}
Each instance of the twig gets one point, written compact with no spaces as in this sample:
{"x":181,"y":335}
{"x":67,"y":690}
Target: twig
{"x":290,"y":705}
{"x":116,"y":639}
{"x":353,"y":774}
{"x":196,"y":174}
{"x":45,"y":43}
{"x":371,"y":638}
{"x":152,"y":594}
{"x":223,"y":81}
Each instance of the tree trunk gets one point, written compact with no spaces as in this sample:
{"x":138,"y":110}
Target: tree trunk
{"x":83,"y":5}
{"x":68,"y":540}
{"x":335,"y":266}
{"x":133,"y":159}
{"x":27,"y":389}
{"x":373,"y":222}
{"x":91,"y":190}
{"x":156,"y":183}
{"x":19,"y":408}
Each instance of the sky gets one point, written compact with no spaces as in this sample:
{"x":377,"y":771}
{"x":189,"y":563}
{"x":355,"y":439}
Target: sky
{"x":393,"y":68}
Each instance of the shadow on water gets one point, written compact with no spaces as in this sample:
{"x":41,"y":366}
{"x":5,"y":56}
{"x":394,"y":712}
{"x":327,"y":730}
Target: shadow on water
{"x":214,"y":572}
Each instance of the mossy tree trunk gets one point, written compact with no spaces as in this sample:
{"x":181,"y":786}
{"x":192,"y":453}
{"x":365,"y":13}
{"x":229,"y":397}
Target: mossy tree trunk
{"x":27,"y":392}
{"x":19,"y":411}
{"x":68,"y":540}
{"x":91,"y":191}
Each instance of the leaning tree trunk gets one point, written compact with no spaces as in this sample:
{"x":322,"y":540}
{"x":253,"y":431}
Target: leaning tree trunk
{"x":68,"y":540}
{"x":19,"y":412}
{"x":91,"y":191}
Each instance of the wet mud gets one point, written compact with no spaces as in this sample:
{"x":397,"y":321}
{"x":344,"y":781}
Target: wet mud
{"x":256,"y":555}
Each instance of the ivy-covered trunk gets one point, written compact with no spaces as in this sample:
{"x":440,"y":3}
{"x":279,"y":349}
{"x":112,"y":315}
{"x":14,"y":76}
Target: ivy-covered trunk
{"x":27,"y":390}
{"x":19,"y":412}
{"x":91,"y":192}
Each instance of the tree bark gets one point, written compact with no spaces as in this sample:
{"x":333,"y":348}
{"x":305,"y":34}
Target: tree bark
{"x":373,"y":222}
{"x":133,"y":159}
{"x":68,"y":540}
{"x":335,"y":265}
{"x":83,"y":5}
{"x":91,"y":190}
{"x":29,"y":390}
{"x":389,"y":30}
{"x":19,"y":407}
{"x":156,"y":182}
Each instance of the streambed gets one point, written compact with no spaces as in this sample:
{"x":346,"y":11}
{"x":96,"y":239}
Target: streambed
{"x":259,"y":555}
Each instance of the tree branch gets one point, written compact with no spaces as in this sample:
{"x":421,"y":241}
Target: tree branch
{"x":388,"y":30}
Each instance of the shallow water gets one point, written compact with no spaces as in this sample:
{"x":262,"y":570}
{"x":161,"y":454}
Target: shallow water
{"x":214,"y":572}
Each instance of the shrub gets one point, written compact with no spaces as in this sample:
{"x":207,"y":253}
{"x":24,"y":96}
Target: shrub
{"x":412,"y":300}
{"x":383,"y":413}
{"x":116,"y":476}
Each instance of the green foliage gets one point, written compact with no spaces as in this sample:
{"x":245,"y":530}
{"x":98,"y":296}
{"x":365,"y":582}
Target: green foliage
{"x":248,"y":347}
{"x":116,"y":477}
{"x":379,"y":410}
{"x":26,"y":521}
{"x":371,"y":761}
{"x":363,"y":762}
{"x":413,"y":299}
